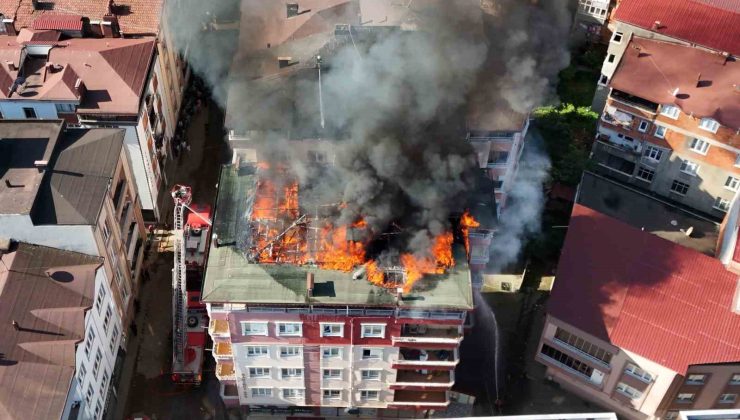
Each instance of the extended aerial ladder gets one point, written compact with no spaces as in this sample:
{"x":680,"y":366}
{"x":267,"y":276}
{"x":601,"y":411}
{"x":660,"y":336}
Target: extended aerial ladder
{"x":182,"y":196}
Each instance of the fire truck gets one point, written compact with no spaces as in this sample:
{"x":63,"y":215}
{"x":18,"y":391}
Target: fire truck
{"x":191,"y":233}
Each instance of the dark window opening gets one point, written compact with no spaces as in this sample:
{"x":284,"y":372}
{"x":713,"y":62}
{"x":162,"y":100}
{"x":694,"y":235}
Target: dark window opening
{"x":29,"y":112}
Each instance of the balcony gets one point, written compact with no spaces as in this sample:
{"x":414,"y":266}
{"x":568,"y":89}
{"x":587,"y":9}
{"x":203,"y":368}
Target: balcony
{"x":225,"y":371}
{"x":415,"y":357}
{"x":404,"y":398}
{"x":419,"y":333}
{"x":219,"y":328}
{"x":222,"y":350}
{"x":425,"y":378}
{"x":634,"y":101}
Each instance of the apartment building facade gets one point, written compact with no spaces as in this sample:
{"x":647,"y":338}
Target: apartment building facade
{"x":655,"y":331}
{"x":80,"y":196}
{"x":670,"y":125}
{"x":60,"y":330}
{"x":687,"y":22}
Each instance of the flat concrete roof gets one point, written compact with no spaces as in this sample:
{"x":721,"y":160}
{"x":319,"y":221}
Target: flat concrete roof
{"x":649,"y":213}
{"x":230,"y":277}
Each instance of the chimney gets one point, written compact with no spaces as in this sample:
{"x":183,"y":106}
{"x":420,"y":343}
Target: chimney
{"x":9,"y":27}
{"x":284,"y":61}
{"x":309,"y":284}
{"x":110,"y":27}
{"x":41,"y":164}
{"x":656,"y":25}
{"x":80,"y":88}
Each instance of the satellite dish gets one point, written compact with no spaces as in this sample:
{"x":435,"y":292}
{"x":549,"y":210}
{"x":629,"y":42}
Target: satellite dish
{"x":674,"y":223}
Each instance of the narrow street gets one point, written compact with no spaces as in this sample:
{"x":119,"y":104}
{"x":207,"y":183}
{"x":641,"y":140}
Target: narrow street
{"x":146,"y":388}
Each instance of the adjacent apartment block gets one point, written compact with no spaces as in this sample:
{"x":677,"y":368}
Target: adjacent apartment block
{"x":306,"y":335}
{"x":694,"y":23}
{"x":671,"y":124}
{"x":656,"y":327}
{"x":60,"y":334}
{"x":74,"y":190}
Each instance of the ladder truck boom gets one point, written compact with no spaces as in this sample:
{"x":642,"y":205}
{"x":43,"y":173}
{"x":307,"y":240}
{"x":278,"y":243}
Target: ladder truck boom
{"x":182,"y":197}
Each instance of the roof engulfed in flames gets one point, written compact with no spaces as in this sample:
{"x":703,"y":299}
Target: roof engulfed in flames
{"x":281,"y":234}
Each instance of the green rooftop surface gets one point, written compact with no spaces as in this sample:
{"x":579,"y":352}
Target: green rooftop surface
{"x":231,"y":278}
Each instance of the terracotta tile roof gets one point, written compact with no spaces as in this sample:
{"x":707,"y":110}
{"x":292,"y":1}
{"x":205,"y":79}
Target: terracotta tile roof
{"x":710,"y":23}
{"x":58,"y":22}
{"x":707,"y":82}
{"x":138,"y":16}
{"x":113,"y":71}
{"x":46,"y":291}
{"x":644,"y":294}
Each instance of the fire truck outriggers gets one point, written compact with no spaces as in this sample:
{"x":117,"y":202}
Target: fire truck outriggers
{"x":189,"y":317}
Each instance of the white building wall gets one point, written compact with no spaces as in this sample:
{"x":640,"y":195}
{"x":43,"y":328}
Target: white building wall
{"x":67,"y":237}
{"x":13,"y":109}
{"x":139,"y":167}
{"x":107,"y":339}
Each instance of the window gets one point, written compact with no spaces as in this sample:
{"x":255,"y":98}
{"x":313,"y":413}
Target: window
{"x":670,"y":111}
{"x":81,"y":374}
{"x":114,"y":337}
{"x":96,"y":364}
{"x":699,"y":146}
{"x":332,"y":373}
{"x":291,"y":372}
{"x":293,"y":393}
{"x":254,"y":351}
{"x":332,"y":330}
{"x":583,"y":346}
{"x":709,"y":125}
{"x":645,"y":174}
{"x":638,"y":373}
{"x":106,"y":231}
{"x":104,"y":378}
{"x":259,"y":372}
{"x":65,"y":107}
{"x":685,"y":398}
{"x":617,"y":38}
{"x":653,"y":153}
{"x":89,"y":394}
{"x":721,"y":204}
{"x":332,"y":394}
{"x":317,"y":157}
{"x":254,"y":328}
{"x":696,"y":379}
{"x":370,"y":375}
{"x":670,"y":415}
{"x":732,"y":183}
{"x":628,"y":391}
{"x":88,"y":342}
{"x":689,"y":167}
{"x":29,"y":112}
{"x":106,"y":319}
{"x":498,"y":157}
{"x":261,"y":392}
{"x":369,"y":395}
{"x":603,"y":80}
{"x":290,"y":329}
{"x":643,"y":126}
{"x":735,"y":380}
{"x":373,"y":330}
{"x":679,"y":187}
{"x":727,"y":398}
{"x":569,"y":362}
{"x":660,"y":131}
{"x":610,"y":58}
{"x":371,"y":354}
{"x":292,"y":9}
{"x":329,"y":352}
{"x":98,"y":408}
{"x":99,"y":298}
{"x":289,"y":351}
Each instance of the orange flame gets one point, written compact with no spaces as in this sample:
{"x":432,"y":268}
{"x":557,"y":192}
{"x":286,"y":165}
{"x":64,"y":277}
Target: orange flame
{"x":467,"y":222}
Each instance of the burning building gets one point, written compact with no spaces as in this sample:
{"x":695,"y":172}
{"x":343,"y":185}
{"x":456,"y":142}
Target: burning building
{"x":312,"y":316}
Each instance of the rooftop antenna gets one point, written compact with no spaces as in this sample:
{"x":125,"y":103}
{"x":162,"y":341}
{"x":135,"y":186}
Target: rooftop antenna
{"x":321,"y":100}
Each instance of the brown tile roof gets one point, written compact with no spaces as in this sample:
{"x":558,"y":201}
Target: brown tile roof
{"x":46,"y":291}
{"x":58,"y":22}
{"x":113,"y":71}
{"x":139,"y":17}
{"x":707,"y":82}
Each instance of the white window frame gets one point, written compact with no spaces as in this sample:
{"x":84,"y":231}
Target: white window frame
{"x":331,"y":370}
{"x":114,"y":337}
{"x":100,"y":297}
{"x":331,"y":350}
{"x":628,"y":391}
{"x":709,"y":124}
{"x":373,"y":355}
{"x":300,"y":393}
{"x":642,"y":168}
{"x":698,"y":378}
{"x":371,"y":334}
{"x":251,"y":349}
{"x":89,"y":342}
{"x":641,"y":128}
{"x":331,"y":391}
{"x":247,"y":328}
{"x":107,"y":318}
{"x":294,"y":351}
{"x":735,"y":379}
{"x":671,"y":111}
{"x":723,"y":398}
{"x":721,"y":204}
{"x":652,"y":150}
{"x":332,"y":325}
{"x":365,"y":395}
{"x":81,"y":372}
{"x":658,"y":133}
{"x":679,"y":399}
{"x":688,"y":167}
{"x":703,"y":146}
{"x":297,"y":326}
{"x":732,"y":183}
{"x":365,"y":374}
{"x":96,"y":364}
{"x":617,"y":34}
{"x":294,"y":374}
{"x":259,"y":372}
{"x":639,"y":373}
{"x":259,"y":392}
